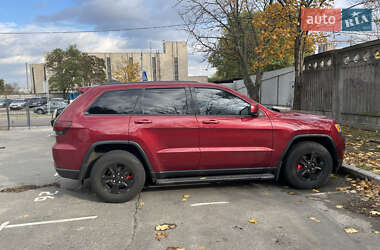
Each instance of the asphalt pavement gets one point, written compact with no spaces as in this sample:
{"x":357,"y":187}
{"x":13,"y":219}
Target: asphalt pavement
{"x":249,"y":215}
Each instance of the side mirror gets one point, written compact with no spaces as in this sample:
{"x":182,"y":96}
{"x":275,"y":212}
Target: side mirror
{"x":254,"y":110}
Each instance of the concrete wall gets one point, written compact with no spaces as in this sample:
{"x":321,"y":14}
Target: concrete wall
{"x":277,"y":88}
{"x":37,"y":78}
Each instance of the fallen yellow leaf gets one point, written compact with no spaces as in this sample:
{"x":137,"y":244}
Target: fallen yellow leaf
{"x":315,"y":191}
{"x":377,"y":232}
{"x":161,"y":235}
{"x":314,"y":219}
{"x":314,"y":198}
{"x":184,"y":199}
{"x":291,"y":193}
{"x":164,"y":227}
{"x":186,"y":196}
{"x":341,"y":188}
{"x":353,"y":191}
{"x":26,"y":215}
{"x":141,"y":204}
{"x":339,"y":206}
{"x":326,"y":200}
{"x":202,"y":248}
{"x":252,"y":221}
{"x":350,"y":230}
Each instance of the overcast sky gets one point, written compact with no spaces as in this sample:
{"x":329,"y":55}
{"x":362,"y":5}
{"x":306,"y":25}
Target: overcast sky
{"x":59,"y":15}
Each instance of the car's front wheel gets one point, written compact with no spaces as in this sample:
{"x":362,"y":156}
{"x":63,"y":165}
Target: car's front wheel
{"x":308,"y":165}
{"x":118,"y":176}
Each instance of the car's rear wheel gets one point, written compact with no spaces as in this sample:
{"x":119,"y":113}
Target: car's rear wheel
{"x":118,"y":176}
{"x":40,"y":111}
{"x":308,"y":165}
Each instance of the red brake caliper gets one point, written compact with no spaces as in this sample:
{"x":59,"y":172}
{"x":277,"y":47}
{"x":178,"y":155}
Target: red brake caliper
{"x":128,"y":177}
{"x":299,"y":166}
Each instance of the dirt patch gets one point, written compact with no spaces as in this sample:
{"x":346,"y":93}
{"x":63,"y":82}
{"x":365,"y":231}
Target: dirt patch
{"x":362,"y":148}
{"x":24,"y":188}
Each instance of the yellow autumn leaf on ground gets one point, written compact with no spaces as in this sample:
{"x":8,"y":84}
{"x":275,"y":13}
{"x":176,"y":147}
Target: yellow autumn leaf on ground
{"x":350,"y":230}
{"x":315,"y":191}
{"x":252,"y":221}
{"x":314,"y":198}
{"x":377,"y":232}
{"x":202,"y":248}
{"x":164,"y":227}
{"x":326,"y":200}
{"x":175,"y":248}
{"x":184,"y":199}
{"x":186,"y":196}
{"x":161,"y":235}
{"x":141,"y":204}
{"x":375,"y":213}
{"x":339,"y":206}
{"x":341,"y":188}
{"x":26,"y":215}
{"x":291,"y":193}
{"x":314,"y":219}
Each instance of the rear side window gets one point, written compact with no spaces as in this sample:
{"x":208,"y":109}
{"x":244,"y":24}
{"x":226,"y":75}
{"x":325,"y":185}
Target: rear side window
{"x":115,"y":102}
{"x":170,"y":101}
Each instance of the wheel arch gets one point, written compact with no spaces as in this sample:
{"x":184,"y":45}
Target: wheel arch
{"x":323,"y":139}
{"x":97,"y":149}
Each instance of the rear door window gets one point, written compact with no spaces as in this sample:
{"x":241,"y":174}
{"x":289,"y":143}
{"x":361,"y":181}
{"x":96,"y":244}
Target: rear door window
{"x":121,"y":102}
{"x":165,"y":101}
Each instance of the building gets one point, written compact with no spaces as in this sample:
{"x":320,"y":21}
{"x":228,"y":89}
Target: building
{"x":170,"y":65}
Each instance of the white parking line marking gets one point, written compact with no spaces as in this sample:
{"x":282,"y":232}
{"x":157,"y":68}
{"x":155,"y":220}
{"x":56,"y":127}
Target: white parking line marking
{"x":5,"y":225}
{"x":209,"y":203}
{"x":2,"y":226}
{"x":335,"y":192}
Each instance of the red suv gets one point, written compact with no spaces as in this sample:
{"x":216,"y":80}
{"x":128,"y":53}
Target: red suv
{"x":125,"y":135}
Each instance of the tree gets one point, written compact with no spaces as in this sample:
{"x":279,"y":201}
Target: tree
{"x":71,"y":68}
{"x":127,"y":71}
{"x":301,"y":38}
{"x":7,"y":88}
{"x":222,"y":24}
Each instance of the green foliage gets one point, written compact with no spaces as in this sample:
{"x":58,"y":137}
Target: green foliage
{"x":71,"y":68}
{"x":7,"y":89}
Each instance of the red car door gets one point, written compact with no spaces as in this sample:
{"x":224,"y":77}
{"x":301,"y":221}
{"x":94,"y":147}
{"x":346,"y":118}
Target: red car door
{"x":229,"y":139}
{"x":167,"y":129}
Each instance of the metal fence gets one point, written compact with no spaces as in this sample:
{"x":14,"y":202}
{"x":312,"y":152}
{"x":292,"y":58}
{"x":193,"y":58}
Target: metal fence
{"x":24,"y":117}
{"x":277,"y":88}
{"x":345,"y":84}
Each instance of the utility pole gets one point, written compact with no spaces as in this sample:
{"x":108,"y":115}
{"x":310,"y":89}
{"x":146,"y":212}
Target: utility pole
{"x":46,"y":85}
{"x":141,"y":67}
{"x":27,"y":76}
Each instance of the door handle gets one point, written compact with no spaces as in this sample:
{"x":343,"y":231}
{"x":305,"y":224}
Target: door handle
{"x":144,"y":121}
{"x":211,"y":122}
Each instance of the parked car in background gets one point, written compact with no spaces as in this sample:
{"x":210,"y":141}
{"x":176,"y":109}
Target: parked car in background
{"x":58,"y":100}
{"x":4,"y":102}
{"x":55,"y":114}
{"x":36,"y":101}
{"x":17,"y":104}
{"x":53,"y":106}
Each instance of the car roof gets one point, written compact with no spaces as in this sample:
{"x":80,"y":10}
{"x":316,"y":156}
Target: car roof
{"x":148,"y":84}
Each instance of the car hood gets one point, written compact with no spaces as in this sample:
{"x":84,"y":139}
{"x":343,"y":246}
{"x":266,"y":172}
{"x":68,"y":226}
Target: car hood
{"x":305,"y":120}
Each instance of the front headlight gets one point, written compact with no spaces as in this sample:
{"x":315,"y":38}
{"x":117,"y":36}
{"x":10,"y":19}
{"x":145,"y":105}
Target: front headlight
{"x":338,"y":128}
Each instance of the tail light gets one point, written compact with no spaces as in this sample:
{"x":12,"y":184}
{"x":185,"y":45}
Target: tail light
{"x":60,"y":127}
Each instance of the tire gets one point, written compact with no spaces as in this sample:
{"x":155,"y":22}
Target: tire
{"x":104,"y":176}
{"x":40,"y":111}
{"x":308,"y":165}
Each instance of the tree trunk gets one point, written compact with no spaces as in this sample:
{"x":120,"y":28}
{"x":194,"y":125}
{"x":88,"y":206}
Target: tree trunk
{"x":299,"y":50}
{"x":298,"y":67}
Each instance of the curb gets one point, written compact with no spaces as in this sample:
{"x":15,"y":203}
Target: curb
{"x":361,"y":173}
